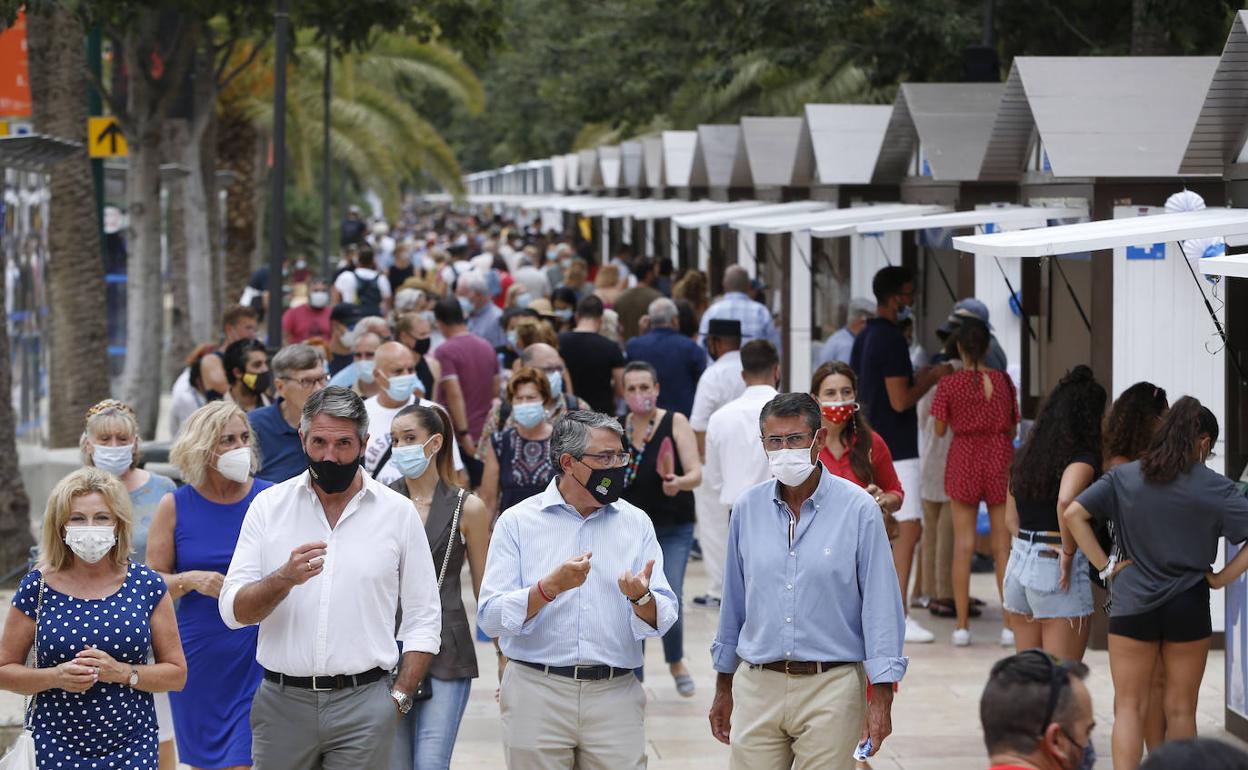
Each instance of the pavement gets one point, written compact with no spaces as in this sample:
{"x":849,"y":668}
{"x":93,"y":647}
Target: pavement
{"x":935,"y":714}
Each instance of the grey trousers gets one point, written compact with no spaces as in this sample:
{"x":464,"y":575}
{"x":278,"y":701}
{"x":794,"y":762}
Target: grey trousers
{"x":554,"y":723}
{"x":297,"y":729}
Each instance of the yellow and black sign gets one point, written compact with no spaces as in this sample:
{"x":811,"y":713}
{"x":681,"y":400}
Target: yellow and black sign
{"x":105,"y":138}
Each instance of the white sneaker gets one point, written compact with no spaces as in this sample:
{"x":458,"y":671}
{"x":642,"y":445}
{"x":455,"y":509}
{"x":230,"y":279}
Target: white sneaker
{"x":917,"y":634}
{"x":1007,"y":638}
{"x":961,"y":637}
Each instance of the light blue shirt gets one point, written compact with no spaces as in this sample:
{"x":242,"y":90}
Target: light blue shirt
{"x":484,"y":324}
{"x":592,"y":624}
{"x":830,"y":595}
{"x":346,"y":376}
{"x":755,"y":318}
{"x":838,"y":347}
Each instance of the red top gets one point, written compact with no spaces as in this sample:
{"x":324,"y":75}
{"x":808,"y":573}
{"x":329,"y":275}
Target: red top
{"x":960,"y":403}
{"x":881,"y":465}
{"x":304,"y":322}
{"x":505,"y":282}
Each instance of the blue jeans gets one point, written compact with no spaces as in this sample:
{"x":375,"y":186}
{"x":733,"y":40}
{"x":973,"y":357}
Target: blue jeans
{"x":426,"y":736}
{"x":676,"y":541}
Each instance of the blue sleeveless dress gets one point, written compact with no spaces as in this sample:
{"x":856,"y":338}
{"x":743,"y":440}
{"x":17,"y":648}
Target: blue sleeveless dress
{"x":211,"y":715}
{"x":109,"y":725}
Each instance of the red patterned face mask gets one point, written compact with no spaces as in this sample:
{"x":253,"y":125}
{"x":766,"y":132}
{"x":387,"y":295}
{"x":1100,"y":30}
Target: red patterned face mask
{"x":837,"y":412}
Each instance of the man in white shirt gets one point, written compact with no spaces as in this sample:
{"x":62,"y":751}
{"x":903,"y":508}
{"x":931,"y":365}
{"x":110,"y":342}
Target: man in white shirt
{"x":721,"y":382}
{"x":323,"y":564}
{"x":534,"y":280}
{"x":395,"y":374}
{"x":735,"y":460}
{"x":364,"y":286}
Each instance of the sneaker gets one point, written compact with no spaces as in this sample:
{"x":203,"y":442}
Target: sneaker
{"x":920,"y":602}
{"x":917,"y":634}
{"x":1007,"y":638}
{"x":707,"y":601}
{"x":961,"y":637}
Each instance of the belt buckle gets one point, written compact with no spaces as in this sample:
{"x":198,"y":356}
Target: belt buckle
{"x":787,"y":672}
{"x":315,"y":688}
{"x":576,"y":673}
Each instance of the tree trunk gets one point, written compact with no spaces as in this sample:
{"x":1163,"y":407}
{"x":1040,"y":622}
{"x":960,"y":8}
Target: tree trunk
{"x":1148,"y":33}
{"x":237,"y":141}
{"x":180,"y":341}
{"x":195,"y":217}
{"x":75,"y":273}
{"x":212,"y":206}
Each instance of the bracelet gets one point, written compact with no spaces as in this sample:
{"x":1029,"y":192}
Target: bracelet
{"x":542,"y":593}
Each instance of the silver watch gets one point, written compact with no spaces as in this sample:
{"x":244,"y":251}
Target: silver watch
{"x":402,"y":700}
{"x":133,"y":681}
{"x":642,"y":601}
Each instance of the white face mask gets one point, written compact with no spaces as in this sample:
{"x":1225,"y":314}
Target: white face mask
{"x":318,"y":299}
{"x":112,"y":459}
{"x":235,"y":464}
{"x":791,"y":466}
{"x":90,"y":543}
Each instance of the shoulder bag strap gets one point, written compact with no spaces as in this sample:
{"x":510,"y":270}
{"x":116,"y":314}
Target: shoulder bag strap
{"x":28,"y":709}
{"x":450,"y":541}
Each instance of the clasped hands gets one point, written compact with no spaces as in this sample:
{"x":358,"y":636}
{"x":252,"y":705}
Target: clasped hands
{"x":575,"y":571}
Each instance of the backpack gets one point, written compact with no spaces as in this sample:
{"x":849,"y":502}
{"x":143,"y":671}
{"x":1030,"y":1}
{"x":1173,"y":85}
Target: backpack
{"x":368,"y":293}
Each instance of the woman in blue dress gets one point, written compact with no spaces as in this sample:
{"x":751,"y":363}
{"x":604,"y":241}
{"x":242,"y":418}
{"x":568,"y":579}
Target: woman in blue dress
{"x":191,"y":543}
{"x":94,"y":615}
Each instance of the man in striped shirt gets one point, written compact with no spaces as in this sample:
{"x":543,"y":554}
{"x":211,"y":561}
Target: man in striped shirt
{"x":755,"y":318}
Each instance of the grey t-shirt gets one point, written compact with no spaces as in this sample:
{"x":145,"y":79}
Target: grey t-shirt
{"x":1169,"y":531}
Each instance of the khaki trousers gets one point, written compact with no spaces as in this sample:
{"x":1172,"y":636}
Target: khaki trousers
{"x":936,"y":575}
{"x":555,"y":723}
{"x":807,"y":722}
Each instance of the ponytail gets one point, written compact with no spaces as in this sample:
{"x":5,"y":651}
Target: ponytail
{"x":1171,"y":451}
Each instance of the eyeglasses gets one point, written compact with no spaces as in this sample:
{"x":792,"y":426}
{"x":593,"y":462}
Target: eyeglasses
{"x":791,"y":441}
{"x":307,"y":383}
{"x":608,"y":459}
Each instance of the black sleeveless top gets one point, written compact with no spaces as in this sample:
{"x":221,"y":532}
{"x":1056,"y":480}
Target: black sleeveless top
{"x":457,"y":658}
{"x":425,"y":375}
{"x":646,"y":489}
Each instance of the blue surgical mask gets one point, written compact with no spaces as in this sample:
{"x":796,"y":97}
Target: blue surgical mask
{"x":401,"y":387}
{"x":1089,"y":753}
{"x":556,"y":383}
{"x":466,"y":306}
{"x":529,"y":415}
{"x":905,"y":314}
{"x":513,"y":339}
{"x":411,"y":460}
{"x":523,"y":300}
{"x":563,"y":315}
{"x":365,"y":368}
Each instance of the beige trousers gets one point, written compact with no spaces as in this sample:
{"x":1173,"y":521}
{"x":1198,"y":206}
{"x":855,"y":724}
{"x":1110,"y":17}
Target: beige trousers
{"x":555,"y":723}
{"x":936,"y":576}
{"x":807,"y":722}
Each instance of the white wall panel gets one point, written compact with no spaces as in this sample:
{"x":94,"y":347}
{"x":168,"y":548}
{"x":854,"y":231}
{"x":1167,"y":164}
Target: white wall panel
{"x":798,"y":313}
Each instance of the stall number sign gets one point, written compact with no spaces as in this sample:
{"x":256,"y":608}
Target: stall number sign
{"x":1155,"y":251}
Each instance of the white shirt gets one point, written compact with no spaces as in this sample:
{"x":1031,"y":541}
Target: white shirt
{"x":719,"y":384}
{"x":534,"y":281}
{"x":348,"y":285}
{"x":380,"y":418}
{"x":735,"y":459}
{"x":185,"y":400}
{"x":341,"y":621}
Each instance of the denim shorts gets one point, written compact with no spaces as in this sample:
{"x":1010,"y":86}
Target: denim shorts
{"x":1031,"y":582}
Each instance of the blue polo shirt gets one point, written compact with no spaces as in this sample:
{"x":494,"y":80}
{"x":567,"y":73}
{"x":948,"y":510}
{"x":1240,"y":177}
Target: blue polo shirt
{"x":281,"y":454}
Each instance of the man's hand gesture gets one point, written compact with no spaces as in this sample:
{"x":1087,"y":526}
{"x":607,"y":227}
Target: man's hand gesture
{"x":636,"y":586}
{"x":571,"y":574}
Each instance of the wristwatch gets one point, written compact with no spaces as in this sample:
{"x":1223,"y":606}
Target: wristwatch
{"x":133,"y":681}
{"x":642,"y":601}
{"x":402,"y":700}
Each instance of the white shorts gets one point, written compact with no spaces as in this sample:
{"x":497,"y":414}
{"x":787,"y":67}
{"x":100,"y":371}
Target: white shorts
{"x":909,"y":474}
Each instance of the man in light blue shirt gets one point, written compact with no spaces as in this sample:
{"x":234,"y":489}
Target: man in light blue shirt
{"x":480,"y":312}
{"x":811,"y":605}
{"x":755,"y":318}
{"x":573,"y":584}
{"x":840,"y":345}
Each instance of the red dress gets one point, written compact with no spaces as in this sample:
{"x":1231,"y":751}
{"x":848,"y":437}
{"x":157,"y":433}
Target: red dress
{"x":983,"y":429}
{"x":881,"y":467}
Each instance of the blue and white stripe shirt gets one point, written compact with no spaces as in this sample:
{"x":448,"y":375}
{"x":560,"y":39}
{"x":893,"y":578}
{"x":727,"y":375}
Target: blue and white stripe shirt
{"x":592,"y":624}
{"x":755,"y":318}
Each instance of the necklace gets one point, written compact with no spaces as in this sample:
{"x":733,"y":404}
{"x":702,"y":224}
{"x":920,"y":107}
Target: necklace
{"x":635,"y":454}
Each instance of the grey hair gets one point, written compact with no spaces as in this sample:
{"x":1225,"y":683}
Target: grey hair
{"x":335,"y":401}
{"x":296,"y":358}
{"x":792,"y":405}
{"x":358,"y":338}
{"x":473,"y":282}
{"x":407,"y":300}
{"x":571,"y":433}
{"x":663,"y":313}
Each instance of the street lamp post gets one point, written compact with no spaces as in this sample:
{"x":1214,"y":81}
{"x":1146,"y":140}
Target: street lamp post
{"x":326,"y":207}
{"x":277,"y":234}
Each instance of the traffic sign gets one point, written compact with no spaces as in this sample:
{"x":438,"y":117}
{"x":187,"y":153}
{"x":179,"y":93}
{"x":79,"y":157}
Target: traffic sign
{"x":16,"y":128}
{"x":105,"y":138}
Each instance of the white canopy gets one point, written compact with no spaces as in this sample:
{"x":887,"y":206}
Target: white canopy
{"x":789,"y":222}
{"x":1109,"y":234}
{"x":1017,"y":217}
{"x":663,"y":209}
{"x":724,"y":216}
{"x":1230,"y":265}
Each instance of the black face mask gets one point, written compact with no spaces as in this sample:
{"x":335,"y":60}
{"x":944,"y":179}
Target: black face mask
{"x":258,"y":383}
{"x":605,"y":484}
{"x":422,"y":345}
{"x":332,"y":477}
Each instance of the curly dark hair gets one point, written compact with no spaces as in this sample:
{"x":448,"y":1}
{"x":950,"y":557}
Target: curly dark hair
{"x":1069,"y":422}
{"x":1132,"y":419}
{"x":1171,"y":450}
{"x":857,"y":433}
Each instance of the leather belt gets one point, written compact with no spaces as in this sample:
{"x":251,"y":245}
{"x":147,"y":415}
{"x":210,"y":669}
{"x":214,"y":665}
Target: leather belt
{"x":801,"y":667}
{"x":1047,"y":538}
{"x":593,"y":673}
{"x":326,"y":683}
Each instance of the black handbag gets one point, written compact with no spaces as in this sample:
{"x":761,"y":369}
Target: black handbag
{"x":424,"y":690}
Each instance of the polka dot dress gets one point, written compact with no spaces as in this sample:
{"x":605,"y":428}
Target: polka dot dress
{"x":981,"y":451}
{"x":109,"y":725}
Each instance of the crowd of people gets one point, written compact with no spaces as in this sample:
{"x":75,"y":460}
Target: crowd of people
{"x":464,"y":392}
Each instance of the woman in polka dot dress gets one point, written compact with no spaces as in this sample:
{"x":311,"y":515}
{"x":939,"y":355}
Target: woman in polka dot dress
{"x":99,"y":615}
{"x":980,"y":406}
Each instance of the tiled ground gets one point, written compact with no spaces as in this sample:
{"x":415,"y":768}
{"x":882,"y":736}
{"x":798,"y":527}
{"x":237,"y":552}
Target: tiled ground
{"x":935,"y":716}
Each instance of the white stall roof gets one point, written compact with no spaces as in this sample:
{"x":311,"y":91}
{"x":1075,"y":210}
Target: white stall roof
{"x":572,"y":167}
{"x":591,"y":205}
{"x":1017,"y":217}
{"x":719,"y":157}
{"x":1109,"y":234}
{"x":652,"y":161}
{"x":1230,"y":265}
{"x":590,"y":174}
{"x":665,"y":209}
{"x":632,"y":170}
{"x":609,"y":166}
{"x":849,"y":223}
{"x":1099,"y":116}
{"x":789,"y":222}
{"x":558,"y":173}
{"x":1218,"y":138}
{"x":678,"y":156}
{"x":561,"y":202}
{"x":724,"y":216}
{"x":846,"y":140}
{"x":778,"y":150}
{"x":437,"y":197}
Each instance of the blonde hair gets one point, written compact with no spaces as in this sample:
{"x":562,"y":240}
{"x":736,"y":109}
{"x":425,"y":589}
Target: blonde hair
{"x":197,"y":443}
{"x":85,"y":481}
{"x":104,"y":416}
{"x":608,"y":277}
{"x":531,"y":330}
{"x":577,"y":273}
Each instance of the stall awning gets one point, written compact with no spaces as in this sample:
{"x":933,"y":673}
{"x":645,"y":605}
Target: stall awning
{"x":724,"y":216}
{"x":789,"y":222}
{"x":1230,"y":265}
{"x":1109,"y":234}
{"x":592,"y":206}
{"x":848,"y":225}
{"x":664,"y":209}
{"x":1016,"y":217}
